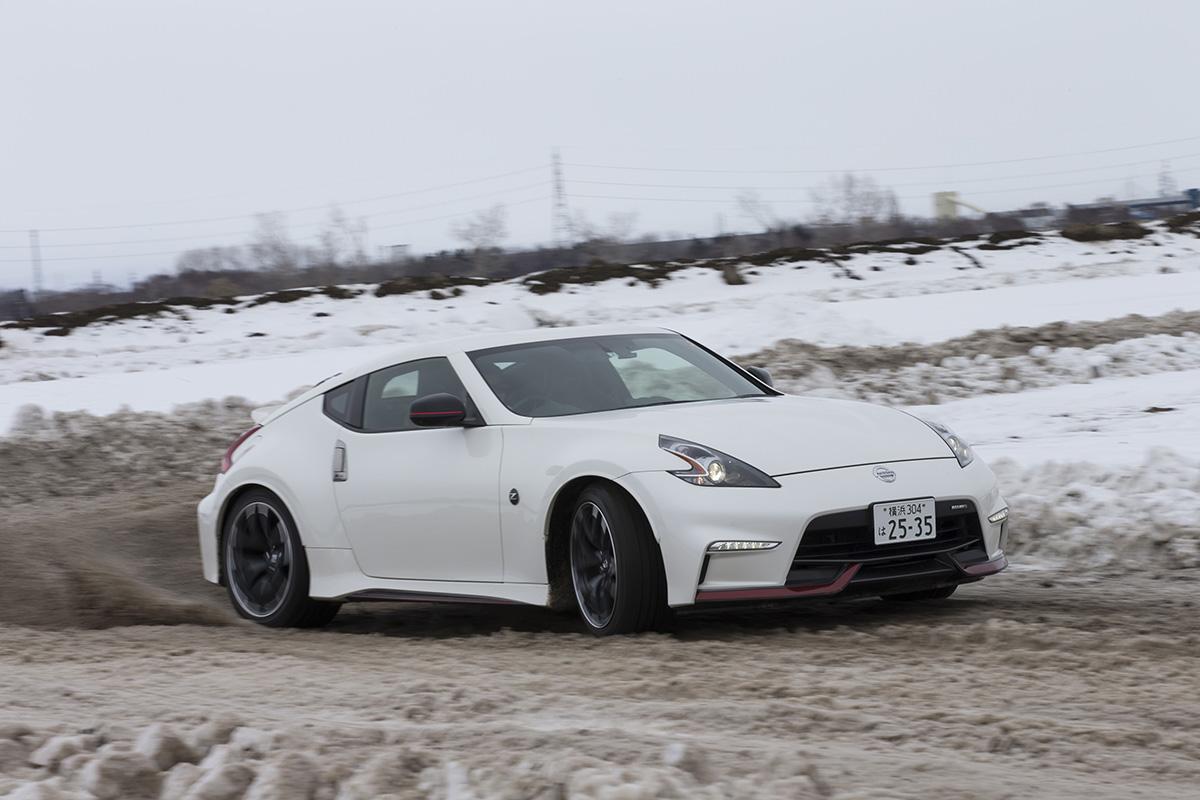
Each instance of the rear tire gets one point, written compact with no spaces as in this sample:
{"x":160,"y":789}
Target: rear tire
{"x":265,"y":568}
{"x":615,"y":565}
{"x":940,"y":593}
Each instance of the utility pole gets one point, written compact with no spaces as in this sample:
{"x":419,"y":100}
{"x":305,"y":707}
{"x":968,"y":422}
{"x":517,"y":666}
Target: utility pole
{"x":560,"y":217}
{"x":35,"y":256}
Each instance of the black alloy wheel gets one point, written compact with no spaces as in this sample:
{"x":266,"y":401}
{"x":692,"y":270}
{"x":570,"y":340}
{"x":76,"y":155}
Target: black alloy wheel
{"x":593,"y":565}
{"x":264,"y":566}
{"x":616,"y":568}
{"x":260,"y":558}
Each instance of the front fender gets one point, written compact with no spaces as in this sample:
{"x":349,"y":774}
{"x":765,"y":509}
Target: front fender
{"x":583,"y":453}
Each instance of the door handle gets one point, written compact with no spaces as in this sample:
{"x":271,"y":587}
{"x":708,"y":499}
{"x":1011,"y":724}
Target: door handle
{"x":340,"y":464}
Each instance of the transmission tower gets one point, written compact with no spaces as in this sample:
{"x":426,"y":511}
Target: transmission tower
{"x":1166,"y":182}
{"x":560,"y":217}
{"x":35,"y":256}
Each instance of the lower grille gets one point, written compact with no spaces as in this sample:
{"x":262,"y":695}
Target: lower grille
{"x":846,"y":537}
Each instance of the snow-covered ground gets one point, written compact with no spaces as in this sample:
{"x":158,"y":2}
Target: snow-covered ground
{"x":1108,"y":421}
{"x":263,"y":352}
{"x":1070,"y":675}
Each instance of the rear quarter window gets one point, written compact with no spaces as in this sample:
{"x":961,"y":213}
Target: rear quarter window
{"x":344,"y":404}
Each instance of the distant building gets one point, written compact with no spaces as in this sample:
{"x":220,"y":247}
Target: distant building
{"x":395,"y":253}
{"x":1153,"y":207}
{"x":1037,"y":217}
{"x":947,"y":204}
{"x":1043,"y":216}
{"x":1108,"y":209}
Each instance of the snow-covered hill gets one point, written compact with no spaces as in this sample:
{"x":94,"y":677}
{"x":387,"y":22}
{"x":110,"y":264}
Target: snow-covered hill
{"x":263,"y":347}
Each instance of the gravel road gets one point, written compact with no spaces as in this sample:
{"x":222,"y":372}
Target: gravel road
{"x":1031,"y":684}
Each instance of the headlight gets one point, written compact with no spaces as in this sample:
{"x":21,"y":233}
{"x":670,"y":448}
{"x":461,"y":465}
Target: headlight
{"x":708,"y":467}
{"x":962,"y":451}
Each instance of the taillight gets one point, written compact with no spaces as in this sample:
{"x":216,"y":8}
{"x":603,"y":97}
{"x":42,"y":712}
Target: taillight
{"x":227,"y":461}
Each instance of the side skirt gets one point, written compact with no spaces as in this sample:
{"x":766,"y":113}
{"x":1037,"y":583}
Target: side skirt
{"x":399,"y":595}
{"x":334,"y":575}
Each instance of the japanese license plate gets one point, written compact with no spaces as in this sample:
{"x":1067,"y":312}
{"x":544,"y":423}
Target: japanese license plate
{"x":905,"y":521}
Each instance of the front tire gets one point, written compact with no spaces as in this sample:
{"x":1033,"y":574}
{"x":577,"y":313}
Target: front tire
{"x":265,"y":567}
{"x":616,"y":569}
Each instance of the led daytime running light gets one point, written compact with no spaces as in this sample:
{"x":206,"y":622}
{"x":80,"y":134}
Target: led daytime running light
{"x":731,"y":546}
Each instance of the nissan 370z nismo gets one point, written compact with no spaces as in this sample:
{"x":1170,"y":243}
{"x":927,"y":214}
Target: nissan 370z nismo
{"x":620,"y":472}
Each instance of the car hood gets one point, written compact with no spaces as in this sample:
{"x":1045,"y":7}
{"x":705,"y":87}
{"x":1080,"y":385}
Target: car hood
{"x":781,"y":435}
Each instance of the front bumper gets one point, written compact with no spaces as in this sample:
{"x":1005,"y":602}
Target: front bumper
{"x":686,"y":518}
{"x":853,"y":580}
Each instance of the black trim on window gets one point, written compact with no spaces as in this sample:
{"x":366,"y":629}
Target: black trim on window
{"x":355,"y":391}
{"x":474,"y":418}
{"x":767,"y":389}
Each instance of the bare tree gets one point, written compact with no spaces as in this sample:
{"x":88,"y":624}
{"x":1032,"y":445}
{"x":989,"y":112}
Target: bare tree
{"x":853,"y":199}
{"x":343,"y":241}
{"x":270,"y":246}
{"x":210,"y":259}
{"x":755,"y":208}
{"x":616,"y":229}
{"x":620,"y":226}
{"x":483,"y":229}
{"x":483,"y":232}
{"x":603,"y":240}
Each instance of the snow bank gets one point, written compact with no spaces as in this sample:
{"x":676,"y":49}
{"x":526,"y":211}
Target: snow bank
{"x":76,"y":454}
{"x":294,"y":763}
{"x":956,"y":377}
{"x":1104,"y":421}
{"x":261,"y":350}
{"x":1144,"y":516}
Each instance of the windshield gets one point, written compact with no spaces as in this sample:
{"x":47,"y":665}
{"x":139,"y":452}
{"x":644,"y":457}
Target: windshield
{"x":604,"y":373}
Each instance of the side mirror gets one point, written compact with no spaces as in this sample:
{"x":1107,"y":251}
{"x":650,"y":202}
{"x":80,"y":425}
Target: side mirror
{"x":763,"y":376}
{"x":440,"y":410}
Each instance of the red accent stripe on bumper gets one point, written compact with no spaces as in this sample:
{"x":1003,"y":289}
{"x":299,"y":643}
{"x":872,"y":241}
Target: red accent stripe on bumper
{"x":987,"y":567}
{"x":779,"y":592}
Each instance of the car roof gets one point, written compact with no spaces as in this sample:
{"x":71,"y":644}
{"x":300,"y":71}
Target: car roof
{"x":482,"y":341}
{"x":463,"y":344}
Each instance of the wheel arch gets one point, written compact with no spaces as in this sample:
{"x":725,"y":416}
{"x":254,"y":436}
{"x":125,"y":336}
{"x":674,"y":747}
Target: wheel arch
{"x":557,"y":534}
{"x":223,"y":515}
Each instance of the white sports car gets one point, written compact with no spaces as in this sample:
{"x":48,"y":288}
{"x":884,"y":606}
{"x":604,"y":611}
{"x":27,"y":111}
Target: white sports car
{"x":619,"y":471}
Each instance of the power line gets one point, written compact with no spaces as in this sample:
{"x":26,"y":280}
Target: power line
{"x":903,"y":197}
{"x":540,"y":198}
{"x":199,"y":220}
{"x":885,"y":169}
{"x":955,"y":181}
{"x":537,"y":185}
{"x":244,"y":233}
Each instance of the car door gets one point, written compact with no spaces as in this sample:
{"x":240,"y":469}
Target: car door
{"x":419,"y":503}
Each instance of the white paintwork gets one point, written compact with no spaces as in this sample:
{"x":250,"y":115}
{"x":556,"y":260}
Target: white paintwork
{"x":428,"y":511}
{"x":423,"y":504}
{"x":686,"y":518}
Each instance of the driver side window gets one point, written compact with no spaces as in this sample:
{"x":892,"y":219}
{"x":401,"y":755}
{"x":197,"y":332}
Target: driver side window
{"x":390,"y":393}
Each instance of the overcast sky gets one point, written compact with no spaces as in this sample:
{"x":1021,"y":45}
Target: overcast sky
{"x":124,"y":113}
